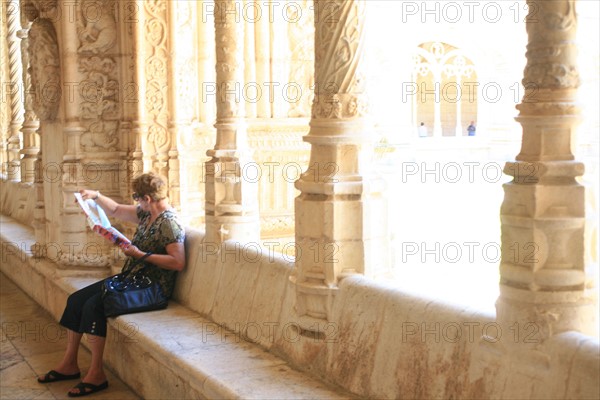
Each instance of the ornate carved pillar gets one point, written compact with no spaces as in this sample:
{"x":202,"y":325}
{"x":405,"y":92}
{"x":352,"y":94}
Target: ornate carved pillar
{"x":206,"y":68}
{"x":16,"y":89}
{"x":31,"y":139}
{"x":231,"y":200}
{"x":302,"y":52}
{"x":193,"y":48}
{"x":157,"y":141}
{"x":131,"y":163}
{"x":90,"y":126}
{"x":263,"y":58}
{"x":280,"y":60}
{"x":250,"y":21}
{"x":138,"y":161}
{"x":543,"y":214}
{"x":45,"y":74}
{"x":4,"y":103}
{"x":340,"y":213}
{"x":183,"y":92}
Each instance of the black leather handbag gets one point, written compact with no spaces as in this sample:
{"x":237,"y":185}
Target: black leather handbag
{"x":128,"y":292}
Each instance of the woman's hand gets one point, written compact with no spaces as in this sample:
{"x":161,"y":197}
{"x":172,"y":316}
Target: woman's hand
{"x":124,"y":212}
{"x":131,"y":250}
{"x":89,"y":194}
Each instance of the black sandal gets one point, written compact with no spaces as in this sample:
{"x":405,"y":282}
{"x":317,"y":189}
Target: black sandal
{"x":53,"y":376}
{"x":87,"y":388}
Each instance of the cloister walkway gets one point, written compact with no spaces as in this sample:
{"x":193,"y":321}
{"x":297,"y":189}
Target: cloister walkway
{"x":31,"y":344}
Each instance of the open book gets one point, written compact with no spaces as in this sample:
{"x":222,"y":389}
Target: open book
{"x":99,"y":222}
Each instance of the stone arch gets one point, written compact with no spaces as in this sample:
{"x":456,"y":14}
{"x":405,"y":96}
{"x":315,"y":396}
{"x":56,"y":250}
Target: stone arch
{"x":446,"y":80}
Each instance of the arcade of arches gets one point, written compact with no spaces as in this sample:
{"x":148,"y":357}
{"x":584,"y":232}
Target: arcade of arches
{"x":289,"y":138}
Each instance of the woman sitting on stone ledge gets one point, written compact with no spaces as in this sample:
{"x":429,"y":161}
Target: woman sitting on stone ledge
{"x":160,"y":233}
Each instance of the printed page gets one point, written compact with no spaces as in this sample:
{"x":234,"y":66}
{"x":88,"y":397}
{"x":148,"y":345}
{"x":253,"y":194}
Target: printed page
{"x":98,"y":221}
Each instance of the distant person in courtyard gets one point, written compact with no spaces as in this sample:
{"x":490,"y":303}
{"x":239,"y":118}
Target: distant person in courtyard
{"x":423,"y":130}
{"x":159,"y":237}
{"x":471,"y":128}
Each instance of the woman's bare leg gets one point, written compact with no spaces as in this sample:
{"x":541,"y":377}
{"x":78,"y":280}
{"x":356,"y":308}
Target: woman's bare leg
{"x":95,"y":374}
{"x":69,"y":365}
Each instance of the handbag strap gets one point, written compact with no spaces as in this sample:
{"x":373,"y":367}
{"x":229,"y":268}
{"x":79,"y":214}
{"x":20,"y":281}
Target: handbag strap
{"x":136,"y":262}
{"x":142,"y":258}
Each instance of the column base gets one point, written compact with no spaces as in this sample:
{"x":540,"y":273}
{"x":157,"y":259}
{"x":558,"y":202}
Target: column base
{"x":540,"y":315}
{"x":242,"y":228}
{"x":314,"y":304}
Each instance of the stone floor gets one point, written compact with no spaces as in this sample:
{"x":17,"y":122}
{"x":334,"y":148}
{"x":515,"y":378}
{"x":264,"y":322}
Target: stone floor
{"x":31,"y":343}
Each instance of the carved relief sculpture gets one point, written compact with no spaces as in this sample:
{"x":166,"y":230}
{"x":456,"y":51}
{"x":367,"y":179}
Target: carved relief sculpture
{"x":98,"y":34}
{"x":156,"y":53}
{"x":45,"y":69}
{"x":99,"y":88}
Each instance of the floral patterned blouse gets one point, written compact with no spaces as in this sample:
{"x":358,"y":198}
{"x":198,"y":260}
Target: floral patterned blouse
{"x":154,"y":238}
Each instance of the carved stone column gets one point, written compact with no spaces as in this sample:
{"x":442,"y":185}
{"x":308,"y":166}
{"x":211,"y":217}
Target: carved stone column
{"x":280,"y":60}
{"x":183,"y":94}
{"x":16,"y":89}
{"x":250,"y":22}
{"x":302,"y":61}
{"x":231,"y":200}
{"x":195,"y":102}
{"x":340,"y":224}
{"x":86,"y":131}
{"x":206,"y":68}
{"x":137,"y":160}
{"x":31,"y":139}
{"x":542,"y":268}
{"x":131,"y":164}
{"x":156,"y":52}
{"x":45,"y":75}
{"x":94,"y":147}
{"x":262,"y":28}
{"x":4,"y":103}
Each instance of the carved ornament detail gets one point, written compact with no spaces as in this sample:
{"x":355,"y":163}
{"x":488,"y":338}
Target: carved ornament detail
{"x":230,"y":61}
{"x":549,"y":109}
{"x":156,"y":61}
{"x":551,"y":52}
{"x":28,"y":104}
{"x":97,"y":32}
{"x":45,"y":69}
{"x":552,"y":76}
{"x":99,"y":108}
{"x":302,"y":56}
{"x":339,"y":43}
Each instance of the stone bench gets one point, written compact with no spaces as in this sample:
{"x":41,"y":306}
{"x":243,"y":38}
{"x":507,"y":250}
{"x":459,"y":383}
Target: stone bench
{"x":172,"y":353}
{"x":384,"y":341}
